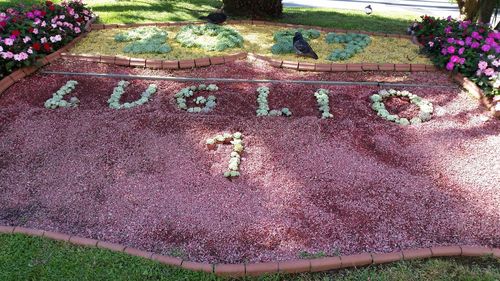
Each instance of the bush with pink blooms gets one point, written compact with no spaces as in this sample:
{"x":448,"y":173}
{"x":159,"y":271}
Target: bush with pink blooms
{"x":28,"y":33}
{"x":469,"y":48}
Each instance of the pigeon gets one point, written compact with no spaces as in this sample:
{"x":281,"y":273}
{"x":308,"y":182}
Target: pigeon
{"x":368,"y":9}
{"x":302,"y":47}
{"x":216,"y":17}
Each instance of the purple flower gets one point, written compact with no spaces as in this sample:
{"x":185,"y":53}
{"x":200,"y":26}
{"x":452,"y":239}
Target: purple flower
{"x":486,"y":48}
{"x":474,"y":45}
{"x":476,"y":35}
{"x":482,"y":65}
{"x":450,"y":66}
{"x":443,"y":51}
{"x":468,"y":41}
{"x":447,"y":29}
{"x":30,"y":15}
{"x":450,"y":49}
{"x":454,"y":59}
{"x":460,"y":42}
{"x":461,"y":51}
{"x":450,"y":40}
{"x":448,"y":18}
{"x":462,"y":61}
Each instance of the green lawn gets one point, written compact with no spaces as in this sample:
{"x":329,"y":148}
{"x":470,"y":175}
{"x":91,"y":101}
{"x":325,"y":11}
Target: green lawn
{"x":128,"y":11}
{"x":34,"y":258}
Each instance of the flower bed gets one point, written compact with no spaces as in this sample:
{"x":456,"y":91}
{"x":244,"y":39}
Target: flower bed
{"x":257,"y":39}
{"x":27,"y":34}
{"x":461,"y":46}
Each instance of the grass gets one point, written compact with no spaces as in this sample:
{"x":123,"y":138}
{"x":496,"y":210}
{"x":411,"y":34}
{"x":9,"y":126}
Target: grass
{"x":135,"y":11}
{"x":34,"y":258}
{"x":258,"y":39}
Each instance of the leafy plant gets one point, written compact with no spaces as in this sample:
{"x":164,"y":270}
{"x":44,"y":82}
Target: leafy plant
{"x":210,"y":37}
{"x":119,"y":90}
{"x":236,"y":140}
{"x":426,"y":107}
{"x":57,"y":98}
{"x":263,"y":106}
{"x":147,"y":39}
{"x":355,"y":43}
{"x":284,"y":39}
{"x":208,"y":103}
{"x":323,"y":103}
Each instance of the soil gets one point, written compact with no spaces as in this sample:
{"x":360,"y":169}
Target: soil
{"x":143,"y":177}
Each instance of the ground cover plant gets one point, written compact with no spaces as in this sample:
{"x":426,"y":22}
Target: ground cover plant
{"x":284,"y":39}
{"x":147,"y":39}
{"x":259,"y":39}
{"x":355,"y":43}
{"x":147,"y":170}
{"x":209,"y":37}
{"x":462,"y":46}
{"x":31,"y":32}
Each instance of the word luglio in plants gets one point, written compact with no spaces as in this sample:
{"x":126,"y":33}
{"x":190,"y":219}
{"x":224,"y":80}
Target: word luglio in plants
{"x":354,"y":43}
{"x":323,"y":103}
{"x":57,"y":98}
{"x":114,"y":100}
{"x":264,"y":110}
{"x":284,"y":39}
{"x":426,"y":107}
{"x":210,"y":37}
{"x":236,"y":140}
{"x":208,"y":103}
{"x":145,"y":40}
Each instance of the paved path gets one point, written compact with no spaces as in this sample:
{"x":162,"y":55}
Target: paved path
{"x":441,"y":8}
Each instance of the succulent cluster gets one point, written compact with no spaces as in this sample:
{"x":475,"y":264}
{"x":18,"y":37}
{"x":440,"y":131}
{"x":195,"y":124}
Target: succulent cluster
{"x":323,"y":103}
{"x":236,"y":140}
{"x":208,"y":103}
{"x":264,"y":110}
{"x":426,"y":107}
{"x":57,"y":97}
{"x":114,"y":100}
{"x":145,"y":40}
{"x":210,"y":37}
{"x":284,"y":39}
{"x":355,"y":43}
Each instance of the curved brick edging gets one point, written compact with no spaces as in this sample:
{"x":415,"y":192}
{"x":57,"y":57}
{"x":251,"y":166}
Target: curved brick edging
{"x":477,"y":92}
{"x":254,"y":269}
{"x":207,"y":61}
{"x":19,"y":74}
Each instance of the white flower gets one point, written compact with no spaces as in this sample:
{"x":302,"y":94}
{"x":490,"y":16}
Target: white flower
{"x":43,"y":40}
{"x":26,"y":39}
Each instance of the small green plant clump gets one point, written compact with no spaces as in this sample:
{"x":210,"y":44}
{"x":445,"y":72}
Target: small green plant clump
{"x":355,"y":43}
{"x":323,"y":103}
{"x":263,"y":109}
{"x":236,"y":140}
{"x":426,"y":107}
{"x":284,"y":39}
{"x":208,"y":103}
{"x":145,"y":40}
{"x":57,"y":97}
{"x":210,"y":37}
{"x":114,"y":100}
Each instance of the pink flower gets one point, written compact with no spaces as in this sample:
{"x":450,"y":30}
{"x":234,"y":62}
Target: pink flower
{"x":450,"y":66}
{"x":447,"y":30}
{"x":454,"y":59}
{"x":460,"y":42}
{"x":468,"y":41}
{"x":450,"y":49}
{"x":461,"y":51}
{"x":489,"y":71}
{"x":476,"y":35}
{"x":482,"y":65}
{"x":450,"y":40}
{"x":431,"y":44}
{"x":7,"y":55}
{"x":474,"y":45}
{"x":462,"y":61}
{"x":78,"y":30}
{"x":8,"y":41}
{"x":26,"y":39}
{"x":21,"y":56}
{"x":443,"y":51}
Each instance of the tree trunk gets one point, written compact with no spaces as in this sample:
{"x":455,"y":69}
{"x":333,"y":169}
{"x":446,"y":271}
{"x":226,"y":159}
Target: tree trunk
{"x":469,"y":9}
{"x":254,"y":8}
{"x":486,"y":10}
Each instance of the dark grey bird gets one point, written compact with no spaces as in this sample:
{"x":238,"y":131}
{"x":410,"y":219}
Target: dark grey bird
{"x":217,"y":17}
{"x":303,"y":48}
{"x":368,"y":9}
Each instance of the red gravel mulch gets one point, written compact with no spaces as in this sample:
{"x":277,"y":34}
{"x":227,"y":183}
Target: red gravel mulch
{"x":143,"y":177}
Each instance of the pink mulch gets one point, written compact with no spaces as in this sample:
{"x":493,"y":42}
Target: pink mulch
{"x":144,"y":178}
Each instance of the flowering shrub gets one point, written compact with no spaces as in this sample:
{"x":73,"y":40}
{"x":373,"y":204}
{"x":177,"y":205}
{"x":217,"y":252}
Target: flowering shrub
{"x":28,"y":33}
{"x":469,"y":48}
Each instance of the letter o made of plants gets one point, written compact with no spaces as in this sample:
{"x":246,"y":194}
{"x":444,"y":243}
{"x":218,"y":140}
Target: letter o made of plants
{"x":209,"y":103}
{"x":426,"y":107}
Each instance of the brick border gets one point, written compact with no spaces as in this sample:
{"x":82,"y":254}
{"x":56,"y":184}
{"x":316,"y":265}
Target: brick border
{"x":476,"y":92}
{"x":256,"y":269}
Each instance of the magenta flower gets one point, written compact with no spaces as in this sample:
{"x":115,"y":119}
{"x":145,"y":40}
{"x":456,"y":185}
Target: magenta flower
{"x":486,"y":48}
{"x":474,"y":45}
{"x":450,"y":49}
{"x":454,"y":59}
{"x":461,"y":61}
{"x":476,"y":35}
{"x":482,"y":65}
{"x":450,"y":66}
{"x":468,"y":41}
{"x":461,"y":51}
{"x":443,"y":51}
{"x":450,"y":40}
{"x":447,"y":30}
{"x":460,"y":42}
